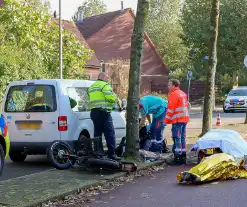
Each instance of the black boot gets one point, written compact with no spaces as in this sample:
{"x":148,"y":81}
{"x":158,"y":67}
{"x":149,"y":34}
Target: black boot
{"x":165,"y":148}
{"x":174,"y":161}
{"x":114,"y":157}
{"x":182,"y":159}
{"x":98,"y":146}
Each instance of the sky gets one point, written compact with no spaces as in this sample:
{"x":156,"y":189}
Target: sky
{"x":69,"y":6}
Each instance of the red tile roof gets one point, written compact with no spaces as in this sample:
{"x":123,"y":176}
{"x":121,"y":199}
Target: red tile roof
{"x":91,"y":25}
{"x":113,"y":40}
{"x":71,"y":27}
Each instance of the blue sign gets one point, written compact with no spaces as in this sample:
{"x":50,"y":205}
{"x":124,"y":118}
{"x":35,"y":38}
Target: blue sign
{"x":189,"y":75}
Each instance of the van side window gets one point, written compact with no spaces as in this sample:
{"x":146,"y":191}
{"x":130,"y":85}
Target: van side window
{"x":31,"y":98}
{"x":80,"y":95}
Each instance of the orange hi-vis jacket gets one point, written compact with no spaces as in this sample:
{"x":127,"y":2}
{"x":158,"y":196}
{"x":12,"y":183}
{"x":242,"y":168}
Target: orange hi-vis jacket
{"x":178,"y":107}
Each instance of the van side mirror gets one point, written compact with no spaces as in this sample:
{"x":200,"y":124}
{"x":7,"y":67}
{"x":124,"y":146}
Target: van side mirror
{"x":124,"y":104}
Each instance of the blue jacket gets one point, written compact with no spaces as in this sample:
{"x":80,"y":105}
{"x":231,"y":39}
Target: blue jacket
{"x":153,"y":105}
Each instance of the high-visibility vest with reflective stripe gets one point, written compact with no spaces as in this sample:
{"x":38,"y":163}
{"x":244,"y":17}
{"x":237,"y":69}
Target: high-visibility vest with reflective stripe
{"x":178,"y":107}
{"x":101,"y":95}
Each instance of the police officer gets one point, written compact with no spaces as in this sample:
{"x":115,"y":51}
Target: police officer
{"x":177,"y":115}
{"x":102,"y":100}
{"x":157,"y":107}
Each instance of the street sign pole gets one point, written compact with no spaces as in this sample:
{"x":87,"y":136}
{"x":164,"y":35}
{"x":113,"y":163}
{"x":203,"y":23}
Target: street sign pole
{"x":60,"y":41}
{"x":189,"y":75}
{"x":189,"y":91}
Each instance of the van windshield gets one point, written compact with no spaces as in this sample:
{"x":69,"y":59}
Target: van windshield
{"x":238,"y":92}
{"x":31,"y":98}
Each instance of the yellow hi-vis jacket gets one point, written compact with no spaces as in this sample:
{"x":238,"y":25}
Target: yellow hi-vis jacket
{"x":101,"y":95}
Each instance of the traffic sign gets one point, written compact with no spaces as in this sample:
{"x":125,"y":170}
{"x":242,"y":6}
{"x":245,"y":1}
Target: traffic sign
{"x":189,"y":75}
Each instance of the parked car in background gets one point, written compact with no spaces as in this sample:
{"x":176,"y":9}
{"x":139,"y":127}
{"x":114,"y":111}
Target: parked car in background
{"x":4,"y":142}
{"x":39,"y":112}
{"x":236,"y":100}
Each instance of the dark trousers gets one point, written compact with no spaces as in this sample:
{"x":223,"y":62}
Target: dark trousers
{"x":179,"y":136}
{"x":103,"y":123}
{"x":157,"y":128}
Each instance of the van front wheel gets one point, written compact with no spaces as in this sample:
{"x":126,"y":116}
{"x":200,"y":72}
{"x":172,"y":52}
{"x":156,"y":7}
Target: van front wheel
{"x":17,"y":156}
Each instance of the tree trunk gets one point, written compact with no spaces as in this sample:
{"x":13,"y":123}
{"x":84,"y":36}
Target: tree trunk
{"x":210,"y":81}
{"x":137,"y":40}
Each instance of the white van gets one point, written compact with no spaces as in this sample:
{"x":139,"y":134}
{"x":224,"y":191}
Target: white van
{"x":39,"y":112}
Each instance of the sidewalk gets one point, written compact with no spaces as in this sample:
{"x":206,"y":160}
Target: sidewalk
{"x":33,"y":190}
{"x":195,"y":109}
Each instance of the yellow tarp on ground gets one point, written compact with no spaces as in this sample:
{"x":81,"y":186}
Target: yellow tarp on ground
{"x":216,"y":167}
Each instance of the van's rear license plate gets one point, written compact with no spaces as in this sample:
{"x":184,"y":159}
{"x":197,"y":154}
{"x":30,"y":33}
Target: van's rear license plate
{"x":29,"y":125}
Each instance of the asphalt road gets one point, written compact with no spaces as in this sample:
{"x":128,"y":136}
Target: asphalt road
{"x":162,"y":190}
{"x":35,"y":164}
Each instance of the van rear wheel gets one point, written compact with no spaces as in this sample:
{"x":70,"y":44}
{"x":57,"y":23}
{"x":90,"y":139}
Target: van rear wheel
{"x":85,"y":143}
{"x":17,"y":156}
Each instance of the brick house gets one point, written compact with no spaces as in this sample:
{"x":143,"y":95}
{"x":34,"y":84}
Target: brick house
{"x":109,"y":35}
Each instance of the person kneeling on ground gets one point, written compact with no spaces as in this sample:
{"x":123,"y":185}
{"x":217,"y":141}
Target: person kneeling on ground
{"x":157,"y":107}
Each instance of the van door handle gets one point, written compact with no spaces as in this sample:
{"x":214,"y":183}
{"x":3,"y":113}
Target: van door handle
{"x":49,"y":122}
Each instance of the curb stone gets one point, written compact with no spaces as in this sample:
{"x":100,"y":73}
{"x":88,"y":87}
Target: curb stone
{"x":63,"y":188}
{"x":201,"y":112}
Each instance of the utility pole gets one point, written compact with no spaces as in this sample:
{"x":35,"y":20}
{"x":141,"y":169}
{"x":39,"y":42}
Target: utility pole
{"x":60,"y":41}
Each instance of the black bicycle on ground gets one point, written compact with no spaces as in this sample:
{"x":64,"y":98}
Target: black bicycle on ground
{"x":87,"y":154}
